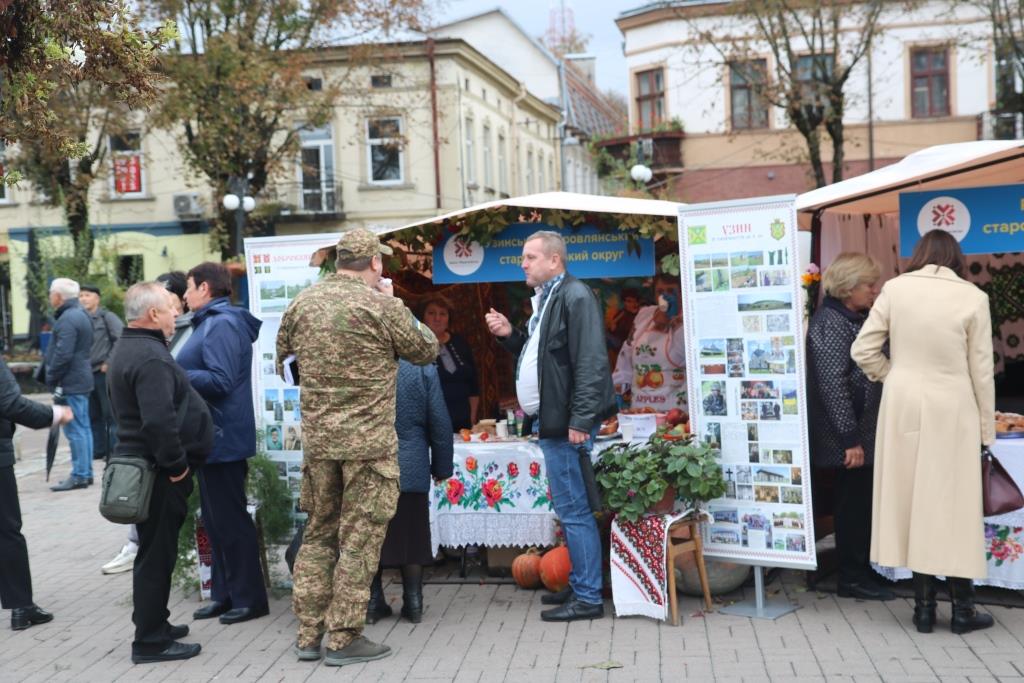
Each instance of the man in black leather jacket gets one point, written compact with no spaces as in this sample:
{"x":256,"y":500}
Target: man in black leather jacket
{"x":563,"y":381}
{"x":15,"y":578}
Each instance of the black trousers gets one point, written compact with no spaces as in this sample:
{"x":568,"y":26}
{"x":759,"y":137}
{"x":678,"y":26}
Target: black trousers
{"x":15,"y":579}
{"x":852,"y":513}
{"x":101,"y":418}
{"x":237,"y":576}
{"x":154,"y":564}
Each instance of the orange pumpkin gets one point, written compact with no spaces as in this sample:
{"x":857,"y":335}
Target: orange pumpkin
{"x":526,"y":569}
{"x":554,"y":568}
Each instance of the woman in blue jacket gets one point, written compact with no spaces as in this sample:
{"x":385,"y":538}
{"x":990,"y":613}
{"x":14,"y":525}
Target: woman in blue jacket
{"x":425,"y":450}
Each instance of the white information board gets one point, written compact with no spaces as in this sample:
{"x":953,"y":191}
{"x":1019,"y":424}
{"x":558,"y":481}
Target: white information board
{"x":745,"y":359}
{"x":278,"y":269}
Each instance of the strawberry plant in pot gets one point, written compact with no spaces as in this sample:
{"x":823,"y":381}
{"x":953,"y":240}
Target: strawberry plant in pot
{"x":636,"y":478}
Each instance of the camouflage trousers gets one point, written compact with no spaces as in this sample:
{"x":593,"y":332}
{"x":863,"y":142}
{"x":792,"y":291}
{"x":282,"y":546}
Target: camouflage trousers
{"x":349,"y":503}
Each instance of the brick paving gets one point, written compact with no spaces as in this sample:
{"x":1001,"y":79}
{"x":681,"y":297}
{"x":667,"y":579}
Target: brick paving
{"x":470,"y":631}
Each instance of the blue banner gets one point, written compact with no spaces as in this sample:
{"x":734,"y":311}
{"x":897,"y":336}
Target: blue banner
{"x":985,"y":220}
{"x":592,"y":253}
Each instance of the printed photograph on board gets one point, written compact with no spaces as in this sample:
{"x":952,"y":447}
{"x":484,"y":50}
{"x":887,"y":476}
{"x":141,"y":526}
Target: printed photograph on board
{"x":767,"y":474}
{"x":723,"y":535}
{"x":758,"y":389}
{"x":774,"y":301}
{"x":713,"y":399}
{"x":788,"y":520}
{"x":766,"y":494}
{"x":293,"y":438}
{"x":720,"y":280}
{"x":712,"y":348}
{"x":770,"y":410}
{"x":274,"y":438}
{"x":747,"y":258}
{"x":702,"y":281}
{"x":744,"y":278}
{"x":754,"y":452}
{"x":751,"y":324}
{"x":774,"y":277}
{"x":777,"y":322}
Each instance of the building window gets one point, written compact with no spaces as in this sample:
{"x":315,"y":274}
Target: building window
{"x":384,"y":142}
{"x":529,"y":172}
{"x":126,"y":159}
{"x":130,"y":269}
{"x":380,"y":81}
{"x":488,"y":158}
{"x":749,"y":108}
{"x":542,"y":185}
{"x":650,"y":98}
{"x":315,"y":84}
{"x":929,"y":82}
{"x":502,"y":165}
{"x":811,"y":71}
{"x":317,"y":170}
{"x":470,"y":152}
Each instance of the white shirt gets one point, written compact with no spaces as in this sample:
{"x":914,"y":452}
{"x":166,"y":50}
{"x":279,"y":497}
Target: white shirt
{"x":528,"y":381}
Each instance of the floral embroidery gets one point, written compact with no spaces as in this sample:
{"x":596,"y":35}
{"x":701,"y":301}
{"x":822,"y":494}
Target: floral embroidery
{"x":1003,"y":543}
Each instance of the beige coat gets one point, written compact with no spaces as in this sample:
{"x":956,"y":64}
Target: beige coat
{"x":938,"y":406}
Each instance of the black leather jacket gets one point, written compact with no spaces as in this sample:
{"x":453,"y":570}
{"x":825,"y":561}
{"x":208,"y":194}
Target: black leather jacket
{"x":575,"y":381}
{"x":16,"y":409}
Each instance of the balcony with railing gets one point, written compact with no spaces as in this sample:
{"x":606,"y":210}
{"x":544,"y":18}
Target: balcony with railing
{"x":997,"y":125}
{"x":661,"y":151}
{"x":313,"y":199}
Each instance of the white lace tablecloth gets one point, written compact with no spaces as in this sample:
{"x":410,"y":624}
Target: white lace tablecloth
{"x":498,"y":496}
{"x":1004,"y":534}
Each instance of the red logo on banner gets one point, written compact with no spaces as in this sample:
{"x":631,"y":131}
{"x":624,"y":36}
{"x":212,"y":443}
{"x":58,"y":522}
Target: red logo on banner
{"x":943,"y":215}
{"x":463,"y":249}
{"x":127,"y":175}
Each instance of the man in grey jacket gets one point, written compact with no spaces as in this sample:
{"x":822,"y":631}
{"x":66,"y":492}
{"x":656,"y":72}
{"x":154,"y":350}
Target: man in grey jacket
{"x":67,"y":373}
{"x":106,"y":328}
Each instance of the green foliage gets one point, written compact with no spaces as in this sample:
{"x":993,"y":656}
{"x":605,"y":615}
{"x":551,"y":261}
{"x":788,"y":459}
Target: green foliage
{"x":273,"y":517}
{"x":50,"y":46}
{"x":58,"y":257}
{"x":635,"y":477}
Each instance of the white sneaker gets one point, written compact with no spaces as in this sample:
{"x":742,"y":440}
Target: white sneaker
{"x":124,"y":561}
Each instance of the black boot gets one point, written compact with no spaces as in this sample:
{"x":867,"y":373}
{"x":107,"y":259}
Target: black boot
{"x":412,"y":592}
{"x":965,"y":616}
{"x":924,"y":602}
{"x":377,"y":608}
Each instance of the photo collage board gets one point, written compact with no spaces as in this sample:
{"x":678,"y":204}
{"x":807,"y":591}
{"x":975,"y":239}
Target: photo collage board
{"x":278,"y":269}
{"x":744,"y":340}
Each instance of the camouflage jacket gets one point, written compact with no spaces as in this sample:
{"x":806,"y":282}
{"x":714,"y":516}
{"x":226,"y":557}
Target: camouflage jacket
{"x":347,"y":339}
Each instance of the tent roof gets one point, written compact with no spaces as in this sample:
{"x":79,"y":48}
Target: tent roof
{"x":962,"y":164}
{"x":565,"y":201}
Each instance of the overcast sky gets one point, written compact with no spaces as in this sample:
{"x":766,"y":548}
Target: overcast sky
{"x":595,"y":18}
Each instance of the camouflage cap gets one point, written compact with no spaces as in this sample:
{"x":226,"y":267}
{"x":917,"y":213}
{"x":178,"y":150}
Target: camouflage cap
{"x":360,"y":243}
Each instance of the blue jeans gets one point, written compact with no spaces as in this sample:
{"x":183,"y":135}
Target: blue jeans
{"x":79,"y":435}
{"x":569,"y":496}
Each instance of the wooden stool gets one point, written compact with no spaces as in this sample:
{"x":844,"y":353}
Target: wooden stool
{"x":680,"y":542}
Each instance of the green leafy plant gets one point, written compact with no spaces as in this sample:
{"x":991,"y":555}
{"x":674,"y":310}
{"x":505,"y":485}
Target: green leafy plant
{"x":273,"y":518}
{"x":633,"y":478}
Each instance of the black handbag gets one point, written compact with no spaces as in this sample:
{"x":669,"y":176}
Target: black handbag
{"x":999,"y":492}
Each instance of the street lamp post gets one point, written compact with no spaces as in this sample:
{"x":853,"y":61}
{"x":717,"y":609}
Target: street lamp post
{"x":641,"y":174}
{"x":239,"y":202}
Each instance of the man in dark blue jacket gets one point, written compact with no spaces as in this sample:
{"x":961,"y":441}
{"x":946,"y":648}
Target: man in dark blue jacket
{"x":68,"y":372}
{"x":218,"y":361}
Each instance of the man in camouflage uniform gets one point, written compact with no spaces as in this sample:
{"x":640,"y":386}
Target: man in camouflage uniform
{"x":347,"y":333}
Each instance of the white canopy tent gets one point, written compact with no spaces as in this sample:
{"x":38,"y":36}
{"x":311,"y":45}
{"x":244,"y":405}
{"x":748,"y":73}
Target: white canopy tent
{"x":564,"y":201}
{"x":962,"y":164}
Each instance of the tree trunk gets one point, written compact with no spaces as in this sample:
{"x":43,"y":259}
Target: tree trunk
{"x":35,"y":306}
{"x":834,"y":126}
{"x":76,"y":206}
{"x":809,"y":130}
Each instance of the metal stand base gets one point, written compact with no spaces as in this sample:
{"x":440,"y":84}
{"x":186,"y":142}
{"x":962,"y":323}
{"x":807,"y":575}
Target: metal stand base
{"x":759,"y":609}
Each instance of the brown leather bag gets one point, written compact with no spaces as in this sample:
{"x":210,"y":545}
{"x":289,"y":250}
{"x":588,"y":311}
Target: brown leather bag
{"x":999,"y":493}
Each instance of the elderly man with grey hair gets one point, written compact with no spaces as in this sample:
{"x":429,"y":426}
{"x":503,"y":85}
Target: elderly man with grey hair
{"x":67,"y":371}
{"x":161,"y":418}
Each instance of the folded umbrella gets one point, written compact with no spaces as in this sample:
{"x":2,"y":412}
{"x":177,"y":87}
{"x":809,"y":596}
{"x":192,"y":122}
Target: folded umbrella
{"x":53,"y":439}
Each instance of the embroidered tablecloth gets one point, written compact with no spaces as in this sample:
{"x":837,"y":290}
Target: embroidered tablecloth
{"x":639,"y":579}
{"x":1004,"y":534}
{"x":497,"y":496}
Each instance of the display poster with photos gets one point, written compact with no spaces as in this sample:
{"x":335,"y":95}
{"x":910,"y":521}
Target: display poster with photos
{"x":744,"y":340}
{"x":278,"y":269}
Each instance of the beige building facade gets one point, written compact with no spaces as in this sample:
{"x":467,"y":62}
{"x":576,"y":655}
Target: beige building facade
{"x":429,"y":127}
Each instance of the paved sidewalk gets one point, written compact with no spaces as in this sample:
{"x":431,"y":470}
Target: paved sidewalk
{"x":470,"y":632}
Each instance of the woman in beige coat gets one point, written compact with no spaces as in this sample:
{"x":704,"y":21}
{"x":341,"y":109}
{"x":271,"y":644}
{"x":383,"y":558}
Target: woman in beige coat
{"x":938,"y":408}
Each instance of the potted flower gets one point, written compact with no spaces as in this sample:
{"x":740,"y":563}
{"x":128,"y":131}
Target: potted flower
{"x":639,"y":478}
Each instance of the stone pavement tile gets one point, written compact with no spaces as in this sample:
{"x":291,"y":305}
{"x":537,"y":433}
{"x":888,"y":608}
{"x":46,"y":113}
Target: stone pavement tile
{"x":513,"y":675}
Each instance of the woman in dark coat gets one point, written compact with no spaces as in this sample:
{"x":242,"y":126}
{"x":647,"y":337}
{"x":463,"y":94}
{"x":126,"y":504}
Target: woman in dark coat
{"x":425,"y":451}
{"x":455,"y":365}
{"x":843,"y":412}
{"x":15,"y":578}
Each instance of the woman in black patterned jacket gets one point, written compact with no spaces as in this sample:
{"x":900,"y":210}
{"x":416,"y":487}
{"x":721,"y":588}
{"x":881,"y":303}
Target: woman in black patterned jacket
{"x":843,"y":413}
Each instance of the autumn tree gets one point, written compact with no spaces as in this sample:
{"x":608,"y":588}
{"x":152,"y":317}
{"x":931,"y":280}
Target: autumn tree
{"x":815,"y":46}
{"x":50,"y":47}
{"x":1007,"y":23}
{"x":243,"y":81}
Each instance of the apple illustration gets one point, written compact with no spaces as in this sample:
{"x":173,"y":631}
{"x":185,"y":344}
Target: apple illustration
{"x":655,"y":379}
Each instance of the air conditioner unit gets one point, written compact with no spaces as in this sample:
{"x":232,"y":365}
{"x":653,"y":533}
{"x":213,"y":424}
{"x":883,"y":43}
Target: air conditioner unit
{"x":187,"y":206}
